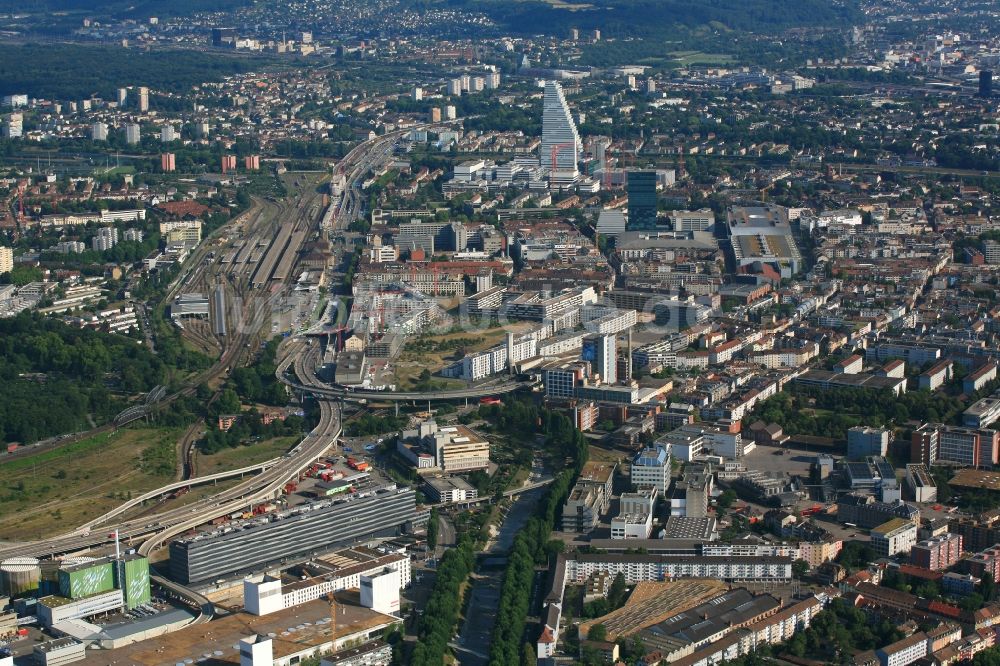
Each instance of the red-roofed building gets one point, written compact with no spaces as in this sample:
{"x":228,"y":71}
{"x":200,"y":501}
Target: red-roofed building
{"x":920,"y":572}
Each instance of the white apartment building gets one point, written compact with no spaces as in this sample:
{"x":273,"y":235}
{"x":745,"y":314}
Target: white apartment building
{"x":6,"y":260}
{"x":133,"y":134}
{"x":905,"y":651}
{"x":632,"y":526}
{"x":651,"y":468}
{"x":266,"y":594}
{"x":893,"y":537}
{"x":637,"y":568}
{"x":187,"y":232}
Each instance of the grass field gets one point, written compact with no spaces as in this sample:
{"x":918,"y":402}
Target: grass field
{"x":688,"y":58}
{"x":55,"y":491}
{"x":412,"y":362}
{"x":241,"y":456}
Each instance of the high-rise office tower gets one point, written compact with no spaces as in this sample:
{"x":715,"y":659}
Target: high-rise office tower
{"x":560,"y":148}
{"x":600,"y":350}
{"x":599,"y":147}
{"x":143,"y":99}
{"x":641,"y":199}
{"x":985,"y":83}
{"x":132,"y":134}
{"x":99,"y":132}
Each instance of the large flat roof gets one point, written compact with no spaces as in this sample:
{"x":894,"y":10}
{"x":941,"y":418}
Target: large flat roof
{"x":975,"y":478}
{"x":292,"y":630}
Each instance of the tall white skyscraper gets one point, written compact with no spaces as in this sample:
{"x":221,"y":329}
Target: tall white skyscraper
{"x":560,"y":148}
{"x":122,"y":96}
{"x":143,"y":99}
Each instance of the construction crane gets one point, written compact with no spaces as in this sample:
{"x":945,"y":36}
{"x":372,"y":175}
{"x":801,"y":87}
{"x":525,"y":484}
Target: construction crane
{"x":333,"y":619}
{"x":339,"y":332}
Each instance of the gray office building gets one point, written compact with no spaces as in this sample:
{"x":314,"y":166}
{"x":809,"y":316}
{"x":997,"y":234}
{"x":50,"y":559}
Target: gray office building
{"x":295,"y":533}
{"x":432,"y":236}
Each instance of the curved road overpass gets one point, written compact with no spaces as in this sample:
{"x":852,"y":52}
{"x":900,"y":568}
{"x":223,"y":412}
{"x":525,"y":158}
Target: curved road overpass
{"x":397,"y":396}
{"x":177,"y":485}
{"x":206,"y":608}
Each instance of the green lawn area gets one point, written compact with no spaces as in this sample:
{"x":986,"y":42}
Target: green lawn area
{"x":412,"y":362}
{"x":688,"y":58}
{"x":114,"y":171}
{"x":57,"y":490}
{"x":241,"y":456}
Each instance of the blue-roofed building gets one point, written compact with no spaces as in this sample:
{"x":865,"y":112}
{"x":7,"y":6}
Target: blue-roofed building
{"x":651,"y":469}
{"x":874,"y":473}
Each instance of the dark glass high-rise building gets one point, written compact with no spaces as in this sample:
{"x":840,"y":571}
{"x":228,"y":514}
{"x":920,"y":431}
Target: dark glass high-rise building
{"x":641,"y":199}
{"x":985,"y":83}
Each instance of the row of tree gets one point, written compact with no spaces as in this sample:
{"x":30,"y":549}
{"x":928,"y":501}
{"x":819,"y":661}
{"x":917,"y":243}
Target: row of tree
{"x":532,"y":545}
{"x":440,"y":617}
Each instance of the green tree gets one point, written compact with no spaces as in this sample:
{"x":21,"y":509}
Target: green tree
{"x":432,"y":529}
{"x":725,"y":501}
{"x":617,"y":592}
{"x":228,"y":402}
{"x":988,"y":587}
{"x":528,"y":657}
{"x":800,"y":568}
{"x":598,"y":632}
